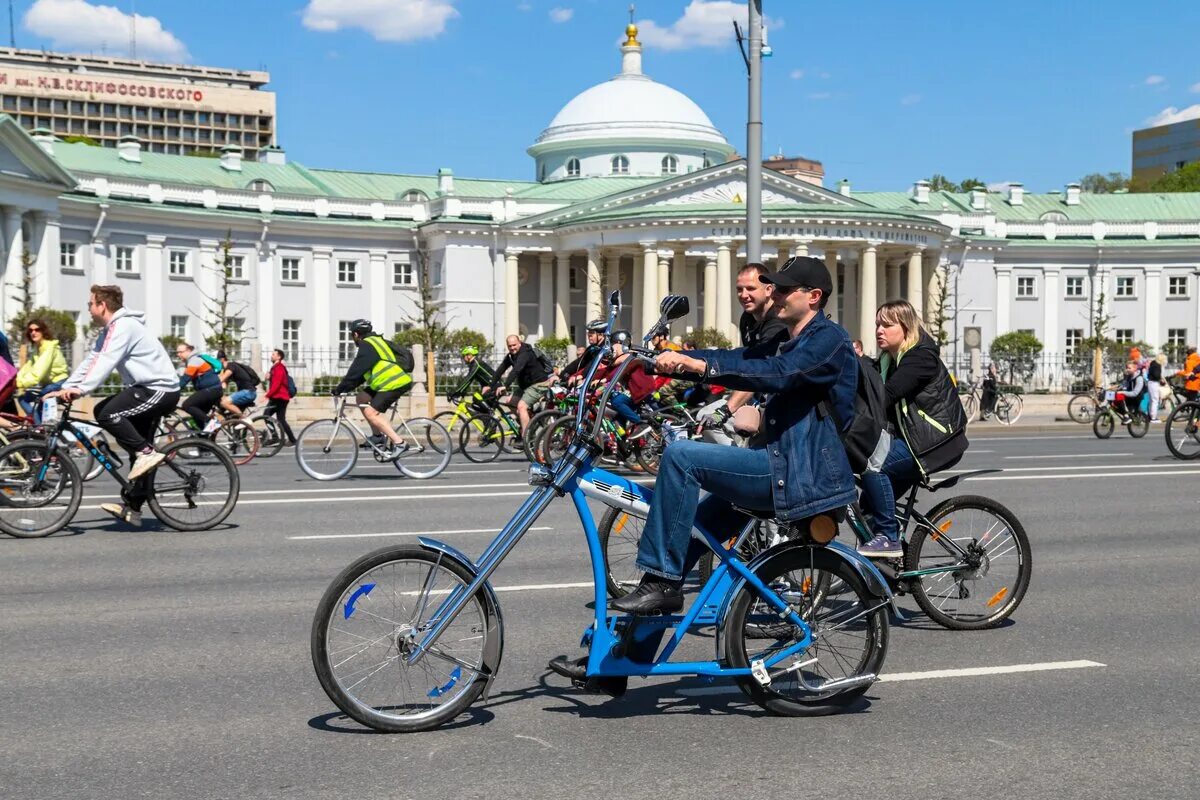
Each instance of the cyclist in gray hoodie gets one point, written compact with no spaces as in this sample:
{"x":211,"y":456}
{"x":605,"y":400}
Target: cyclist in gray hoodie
{"x":151,"y":389}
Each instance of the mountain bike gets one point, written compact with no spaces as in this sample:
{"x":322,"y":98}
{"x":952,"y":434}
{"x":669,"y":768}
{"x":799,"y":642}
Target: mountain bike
{"x":327,"y":449}
{"x":407,"y":637}
{"x":488,"y":429}
{"x":236,"y":436}
{"x":1113,"y":409}
{"x":194,"y":488}
{"x":1182,"y":431}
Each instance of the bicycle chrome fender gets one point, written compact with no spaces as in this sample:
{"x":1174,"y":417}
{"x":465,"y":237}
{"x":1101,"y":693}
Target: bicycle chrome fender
{"x":616,"y":492}
{"x":495,"y":648}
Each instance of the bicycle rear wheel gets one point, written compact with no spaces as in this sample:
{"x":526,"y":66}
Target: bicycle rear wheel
{"x":1082,"y":408}
{"x":1008,"y":408}
{"x":33,"y":505}
{"x":326,"y":449}
{"x":849,"y":633}
{"x":557,"y":440}
{"x":970,"y":405}
{"x":481,"y":439}
{"x":620,"y":532}
{"x":270,"y":436}
{"x":535,"y":432}
{"x":1182,"y":431}
{"x":368,"y":621}
{"x":429,"y":448}
{"x":238,"y":438}
{"x":452,"y":421}
{"x":988,"y":582}
{"x":195,"y":487}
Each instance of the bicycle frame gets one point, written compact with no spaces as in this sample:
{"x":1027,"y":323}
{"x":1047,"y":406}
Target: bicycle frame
{"x":65,"y":425}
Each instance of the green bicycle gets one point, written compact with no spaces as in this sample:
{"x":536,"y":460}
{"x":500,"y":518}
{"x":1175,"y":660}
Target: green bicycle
{"x":480,"y":427}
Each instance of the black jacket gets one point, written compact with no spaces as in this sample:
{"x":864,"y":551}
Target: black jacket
{"x":770,"y":331}
{"x":526,"y":369}
{"x":923,"y":406}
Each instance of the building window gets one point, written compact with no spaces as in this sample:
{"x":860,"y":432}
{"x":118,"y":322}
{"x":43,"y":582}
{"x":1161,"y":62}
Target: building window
{"x":291,"y":339}
{"x":347,"y":272}
{"x":177,"y":263}
{"x":670,"y":165}
{"x":237,"y":268}
{"x":66,"y":255}
{"x":1074,"y":287}
{"x":1125,"y":287}
{"x":415,"y":196}
{"x":1073,"y":339}
{"x":401,"y":327}
{"x":402,"y":274}
{"x":1026,"y":288}
{"x":179,"y":326}
{"x":1176,"y":340}
{"x":124,"y":259}
{"x":572,"y":281}
{"x":1177,"y":286}
{"x":346,"y":346}
{"x":235,"y":326}
{"x":620,"y":165}
{"x":259,"y":185}
{"x":572,"y":167}
{"x":289,"y":269}
{"x":1123,"y":335}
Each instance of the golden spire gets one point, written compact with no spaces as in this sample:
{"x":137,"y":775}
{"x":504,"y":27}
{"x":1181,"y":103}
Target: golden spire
{"x":631,"y":31}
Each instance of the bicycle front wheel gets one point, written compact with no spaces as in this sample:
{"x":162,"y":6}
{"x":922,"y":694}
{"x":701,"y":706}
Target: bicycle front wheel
{"x":1104,"y":424}
{"x":238,"y":438}
{"x":1183,"y":431}
{"x":326,"y":449}
{"x":1082,"y":408}
{"x":970,"y":406}
{"x":195,"y":487}
{"x":367,"y":623}
{"x":986,"y":569}
{"x":270,"y":436}
{"x":429,"y":448}
{"x":1138,"y":425}
{"x":849,"y":633}
{"x":39,"y":492}
{"x":481,"y":439}
{"x":1008,"y":408}
{"x":452,"y":421}
{"x":535,"y":433}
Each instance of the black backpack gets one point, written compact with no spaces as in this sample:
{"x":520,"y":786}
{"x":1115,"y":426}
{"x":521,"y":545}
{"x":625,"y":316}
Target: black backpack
{"x":249,"y":371}
{"x":404,"y":357}
{"x":867,"y":434}
{"x":543,"y":359}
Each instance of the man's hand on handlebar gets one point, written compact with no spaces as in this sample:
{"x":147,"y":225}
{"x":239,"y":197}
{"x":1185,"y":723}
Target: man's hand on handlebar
{"x":669,"y":362}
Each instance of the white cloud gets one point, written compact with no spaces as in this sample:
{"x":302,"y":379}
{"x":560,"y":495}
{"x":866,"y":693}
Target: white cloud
{"x":1194,"y":88}
{"x":796,"y":74}
{"x":819,"y":96}
{"x":384,"y":20}
{"x":1155,"y":80}
{"x":81,"y":26}
{"x":705,"y":23}
{"x":1171,"y":115}
{"x":1000,"y":187}
{"x":910,"y":99}
{"x":561,"y":14}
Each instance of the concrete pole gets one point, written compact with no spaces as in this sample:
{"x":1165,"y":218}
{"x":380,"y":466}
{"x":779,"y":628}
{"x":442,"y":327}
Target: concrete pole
{"x":592,"y":291}
{"x":754,"y":138}
{"x":831,"y":266}
{"x":649,"y":299}
{"x":562,"y":296}
{"x":710,"y":292}
{"x":512,"y":293}
{"x":724,"y":294}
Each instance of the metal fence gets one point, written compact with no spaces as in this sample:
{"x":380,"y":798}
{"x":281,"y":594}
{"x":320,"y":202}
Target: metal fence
{"x":1047,"y":372}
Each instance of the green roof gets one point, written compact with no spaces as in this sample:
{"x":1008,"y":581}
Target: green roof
{"x":306,"y":219}
{"x":385,"y":186}
{"x":583,"y":189}
{"x":739,"y":209}
{"x":1129,"y":207}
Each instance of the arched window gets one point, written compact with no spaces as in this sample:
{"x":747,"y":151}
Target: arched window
{"x":414,"y":196}
{"x":1053,"y":216}
{"x":620,"y":165}
{"x":670,"y":165}
{"x":259,"y":185}
{"x":572,"y":167}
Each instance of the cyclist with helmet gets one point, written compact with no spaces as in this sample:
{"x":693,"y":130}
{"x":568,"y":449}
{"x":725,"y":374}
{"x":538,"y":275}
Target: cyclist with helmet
{"x":480,"y":371}
{"x":573,"y":371}
{"x":376,"y":365}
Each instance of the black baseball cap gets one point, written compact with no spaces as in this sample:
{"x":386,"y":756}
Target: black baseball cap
{"x":803,"y":271}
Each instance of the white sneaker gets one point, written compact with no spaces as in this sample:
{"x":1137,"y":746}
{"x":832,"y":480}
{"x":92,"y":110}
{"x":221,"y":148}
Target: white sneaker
{"x":123,"y":513}
{"x":144,"y":463}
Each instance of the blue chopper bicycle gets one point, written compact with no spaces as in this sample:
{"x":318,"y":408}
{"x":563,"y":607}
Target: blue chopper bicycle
{"x":406,"y":638}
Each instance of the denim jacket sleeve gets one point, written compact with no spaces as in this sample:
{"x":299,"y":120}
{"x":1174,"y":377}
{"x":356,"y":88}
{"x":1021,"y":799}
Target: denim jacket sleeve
{"x":813,"y":358}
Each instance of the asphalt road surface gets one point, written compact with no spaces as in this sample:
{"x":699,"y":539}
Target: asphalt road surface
{"x":157,"y":664}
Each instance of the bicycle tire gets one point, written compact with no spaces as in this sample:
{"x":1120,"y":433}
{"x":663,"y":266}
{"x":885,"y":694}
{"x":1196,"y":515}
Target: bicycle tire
{"x":1182,"y":431}
{"x":85,"y":463}
{"x":24,"y":504}
{"x":1007,"y":415}
{"x":481,"y":439}
{"x":535,"y":431}
{"x":429,"y":448}
{"x":327,"y":449}
{"x":192,"y":471}
{"x":238,"y":438}
{"x":970,"y":406}
{"x":1082,"y":408}
{"x":1004,"y":599}
{"x":795,"y":572}
{"x":620,"y":533}
{"x":337,"y":646}
{"x":557,"y":439}
{"x":452,"y":422}
{"x":1138,"y":425}
{"x":1104,"y":424}
{"x":270,"y":435}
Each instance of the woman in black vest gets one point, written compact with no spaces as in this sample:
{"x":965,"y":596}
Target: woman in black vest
{"x":924,"y":415}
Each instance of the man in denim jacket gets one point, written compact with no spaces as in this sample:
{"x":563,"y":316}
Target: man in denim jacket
{"x":798,"y":471}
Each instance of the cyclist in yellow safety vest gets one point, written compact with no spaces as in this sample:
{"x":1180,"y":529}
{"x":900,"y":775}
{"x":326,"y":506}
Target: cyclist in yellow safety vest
{"x":375,"y":365}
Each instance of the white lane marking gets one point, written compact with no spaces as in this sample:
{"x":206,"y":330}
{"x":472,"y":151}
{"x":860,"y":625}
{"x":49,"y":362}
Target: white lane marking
{"x":1080,"y":467}
{"x":409,"y":497}
{"x":408,"y":487}
{"x":1075,"y":455}
{"x":405,"y":533}
{"x":971,"y":672}
{"x":1053,"y":436}
{"x":1042,"y":477}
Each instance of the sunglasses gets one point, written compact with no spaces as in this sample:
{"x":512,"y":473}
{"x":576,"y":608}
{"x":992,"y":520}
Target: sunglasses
{"x":33,"y":329}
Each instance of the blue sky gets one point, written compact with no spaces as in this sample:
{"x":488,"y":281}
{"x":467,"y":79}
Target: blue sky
{"x":882,"y":92}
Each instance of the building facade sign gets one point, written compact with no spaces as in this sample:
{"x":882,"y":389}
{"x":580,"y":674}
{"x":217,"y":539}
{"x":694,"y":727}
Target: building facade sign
{"x":87,"y":88}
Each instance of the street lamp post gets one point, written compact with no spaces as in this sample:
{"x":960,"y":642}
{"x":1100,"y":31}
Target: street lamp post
{"x":754,"y":138}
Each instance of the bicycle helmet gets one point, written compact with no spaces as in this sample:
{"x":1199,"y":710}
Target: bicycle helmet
{"x":597,"y":326}
{"x":361,"y":326}
{"x":469,"y":350}
{"x":619,"y":337}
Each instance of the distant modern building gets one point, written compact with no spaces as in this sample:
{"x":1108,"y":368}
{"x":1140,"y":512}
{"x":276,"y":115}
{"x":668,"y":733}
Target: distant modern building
{"x":1166,"y":148}
{"x":805,"y":169}
{"x":171,"y":108}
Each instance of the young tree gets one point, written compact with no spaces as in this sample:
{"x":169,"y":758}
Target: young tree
{"x":1016,"y":354}
{"x":1100,"y":320}
{"x":940,"y":183}
{"x":223,"y":311}
{"x":938,"y":315}
{"x":425,"y":318}
{"x":1096,"y":183}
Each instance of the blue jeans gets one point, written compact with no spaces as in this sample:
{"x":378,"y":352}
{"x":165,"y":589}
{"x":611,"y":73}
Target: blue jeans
{"x":31,"y":400}
{"x":729,"y":474}
{"x":621,"y":404}
{"x":879,"y":489}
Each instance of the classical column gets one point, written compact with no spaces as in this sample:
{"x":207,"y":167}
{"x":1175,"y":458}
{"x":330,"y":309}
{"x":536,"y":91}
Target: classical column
{"x":683,"y":281}
{"x":1051,"y":335}
{"x":850,"y":295}
{"x":592,"y":299}
{"x":47,"y":260}
{"x":880,"y":282}
{"x":154,"y":270}
{"x":831,"y":266}
{"x":914,"y":292}
{"x":322,"y":334}
{"x":512,"y":292}
{"x":269,"y":328}
{"x":724,"y":295}
{"x":665,"y":268}
{"x":545,"y":295}
{"x":866,"y":305}
{"x":612,"y":275}
{"x":932,"y":275}
{"x":562,"y":295}
{"x":14,"y":238}
{"x":893,"y":281}
{"x":710,"y":292}
{"x":378,"y":289}
{"x":648,"y":300}
{"x":1154,"y":295}
{"x":1003,"y":299}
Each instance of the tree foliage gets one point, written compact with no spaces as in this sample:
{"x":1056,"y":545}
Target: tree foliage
{"x":1184,"y":179}
{"x":61,"y":323}
{"x":710,"y":339}
{"x":442,"y":339}
{"x":1097,"y":183}
{"x":940,"y":183}
{"x":1015,"y":355}
{"x":555,"y":347}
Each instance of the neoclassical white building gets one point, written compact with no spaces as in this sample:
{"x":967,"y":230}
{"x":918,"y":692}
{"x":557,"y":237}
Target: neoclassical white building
{"x":634,"y":190}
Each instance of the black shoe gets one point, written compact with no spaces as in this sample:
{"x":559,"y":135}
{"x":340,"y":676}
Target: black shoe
{"x":654,"y":595}
{"x":576,"y":670}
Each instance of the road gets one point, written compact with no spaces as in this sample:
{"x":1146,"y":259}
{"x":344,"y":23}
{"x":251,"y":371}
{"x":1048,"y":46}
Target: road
{"x":160,"y":664}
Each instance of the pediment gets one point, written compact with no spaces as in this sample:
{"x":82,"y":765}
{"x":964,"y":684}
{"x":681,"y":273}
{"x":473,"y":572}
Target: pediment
{"x":23,"y":159}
